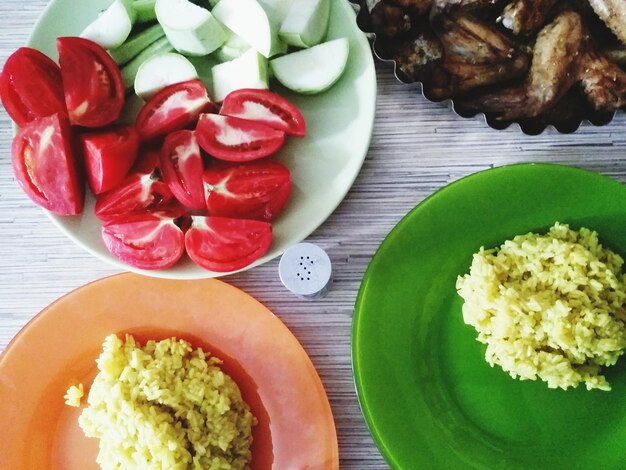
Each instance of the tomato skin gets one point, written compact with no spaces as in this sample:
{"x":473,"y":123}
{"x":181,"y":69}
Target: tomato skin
{"x":171,"y":109}
{"x":31,"y":86}
{"x":223,"y":244}
{"x":255,"y":190}
{"x":181,"y":164}
{"x":45,"y":165}
{"x":138,"y":192}
{"x":145,"y":240}
{"x":237,"y":140}
{"x":109,"y":155}
{"x":92,"y":82}
{"x":265,"y":107}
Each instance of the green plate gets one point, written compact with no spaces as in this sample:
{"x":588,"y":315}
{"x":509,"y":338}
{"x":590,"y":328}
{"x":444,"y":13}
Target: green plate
{"x":430,"y":399}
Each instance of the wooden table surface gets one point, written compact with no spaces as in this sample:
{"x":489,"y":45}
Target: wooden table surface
{"x":417,"y":148}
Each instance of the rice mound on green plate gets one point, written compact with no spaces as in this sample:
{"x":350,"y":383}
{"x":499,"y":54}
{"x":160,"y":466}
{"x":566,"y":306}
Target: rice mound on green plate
{"x":549,"y":306}
{"x":166,"y":406}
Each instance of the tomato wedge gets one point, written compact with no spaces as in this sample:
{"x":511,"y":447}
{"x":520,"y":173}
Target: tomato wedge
{"x":146,"y":240}
{"x":45,"y":165}
{"x":137,"y":192}
{"x":148,"y":160}
{"x":237,"y":140}
{"x":92,"y":82}
{"x":109,"y":155}
{"x":181,"y":164}
{"x":256,"y":190}
{"x":31,"y":86}
{"x":265,"y":107}
{"x":223,"y":244}
{"x":171,"y":109}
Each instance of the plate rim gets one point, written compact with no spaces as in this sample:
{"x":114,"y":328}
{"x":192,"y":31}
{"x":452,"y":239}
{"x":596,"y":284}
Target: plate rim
{"x":367,"y":59}
{"x":357,"y":375}
{"x":10,"y":355}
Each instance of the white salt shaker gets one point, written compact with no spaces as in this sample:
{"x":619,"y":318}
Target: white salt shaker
{"x":305,"y":269}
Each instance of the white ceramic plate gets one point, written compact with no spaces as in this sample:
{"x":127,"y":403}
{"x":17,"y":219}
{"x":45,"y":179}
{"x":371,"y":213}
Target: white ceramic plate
{"x":323,"y":165}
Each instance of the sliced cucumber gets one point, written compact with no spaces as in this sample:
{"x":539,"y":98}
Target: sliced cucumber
{"x":276,"y":9}
{"x":160,"y":71}
{"x":137,"y":43}
{"x":254,"y":26}
{"x":145,"y":10}
{"x":234,"y":47}
{"x":204,"y":66}
{"x":306,"y":23}
{"x":113,"y":26}
{"x":191,"y":29}
{"x":129,"y":71}
{"x":312,"y":70}
{"x":247,"y":71}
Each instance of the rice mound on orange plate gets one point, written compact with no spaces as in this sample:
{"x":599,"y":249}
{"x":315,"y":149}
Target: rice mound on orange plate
{"x":165,"y":405}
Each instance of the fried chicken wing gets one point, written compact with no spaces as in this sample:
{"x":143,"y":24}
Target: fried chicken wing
{"x":554,"y":69}
{"x":603,"y":82}
{"x":526,"y":16}
{"x":418,"y":6}
{"x":447,"y":6}
{"x":547,"y":68}
{"x":395,"y":18}
{"x":390,"y":21}
{"x":476,"y":54}
{"x":421,"y":6}
{"x":617,"y":55}
{"x":418,"y":58}
{"x":613,"y":13}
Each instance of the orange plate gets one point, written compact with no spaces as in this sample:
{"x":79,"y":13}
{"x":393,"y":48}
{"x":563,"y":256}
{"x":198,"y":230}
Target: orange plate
{"x":59,"y":347}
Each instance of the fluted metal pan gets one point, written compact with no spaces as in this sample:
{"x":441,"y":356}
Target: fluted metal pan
{"x":565,"y":115}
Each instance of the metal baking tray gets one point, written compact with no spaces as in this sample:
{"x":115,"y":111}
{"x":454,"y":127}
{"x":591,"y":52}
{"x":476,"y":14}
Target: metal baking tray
{"x":565,"y":116}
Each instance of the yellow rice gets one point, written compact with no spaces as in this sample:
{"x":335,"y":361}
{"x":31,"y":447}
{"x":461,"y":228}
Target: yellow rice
{"x":549,"y":306}
{"x":74,"y":395}
{"x":165,"y":406}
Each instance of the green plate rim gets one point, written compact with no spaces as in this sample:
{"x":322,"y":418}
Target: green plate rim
{"x":356,"y":319}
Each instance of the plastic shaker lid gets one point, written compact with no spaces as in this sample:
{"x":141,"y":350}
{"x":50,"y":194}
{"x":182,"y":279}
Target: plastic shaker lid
{"x":305,"y":269}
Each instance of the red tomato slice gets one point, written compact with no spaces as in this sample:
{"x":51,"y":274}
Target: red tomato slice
{"x":171,"y":109}
{"x":237,"y":140}
{"x":148,"y":160}
{"x":45,"y":166}
{"x":265,"y":107}
{"x":181,"y":164}
{"x":94,"y":90}
{"x":256,"y":190}
{"x":145,"y":240}
{"x":222,"y":244}
{"x":108,"y":156}
{"x":137,"y":192}
{"x":31,"y":86}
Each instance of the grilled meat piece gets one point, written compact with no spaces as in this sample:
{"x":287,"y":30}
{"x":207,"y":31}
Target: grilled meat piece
{"x":603,"y":82}
{"x":417,"y":57}
{"x":448,"y":6}
{"x":526,"y":16}
{"x":476,"y":54}
{"x":468,"y":39}
{"x":554,"y":70}
{"x":613,"y":13}
{"x":616,"y":55}
{"x":415,"y":6}
{"x":395,"y":18}
{"x":390,"y":21}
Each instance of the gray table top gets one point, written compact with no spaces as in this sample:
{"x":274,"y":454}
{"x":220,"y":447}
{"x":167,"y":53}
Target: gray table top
{"x":417,"y":148}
